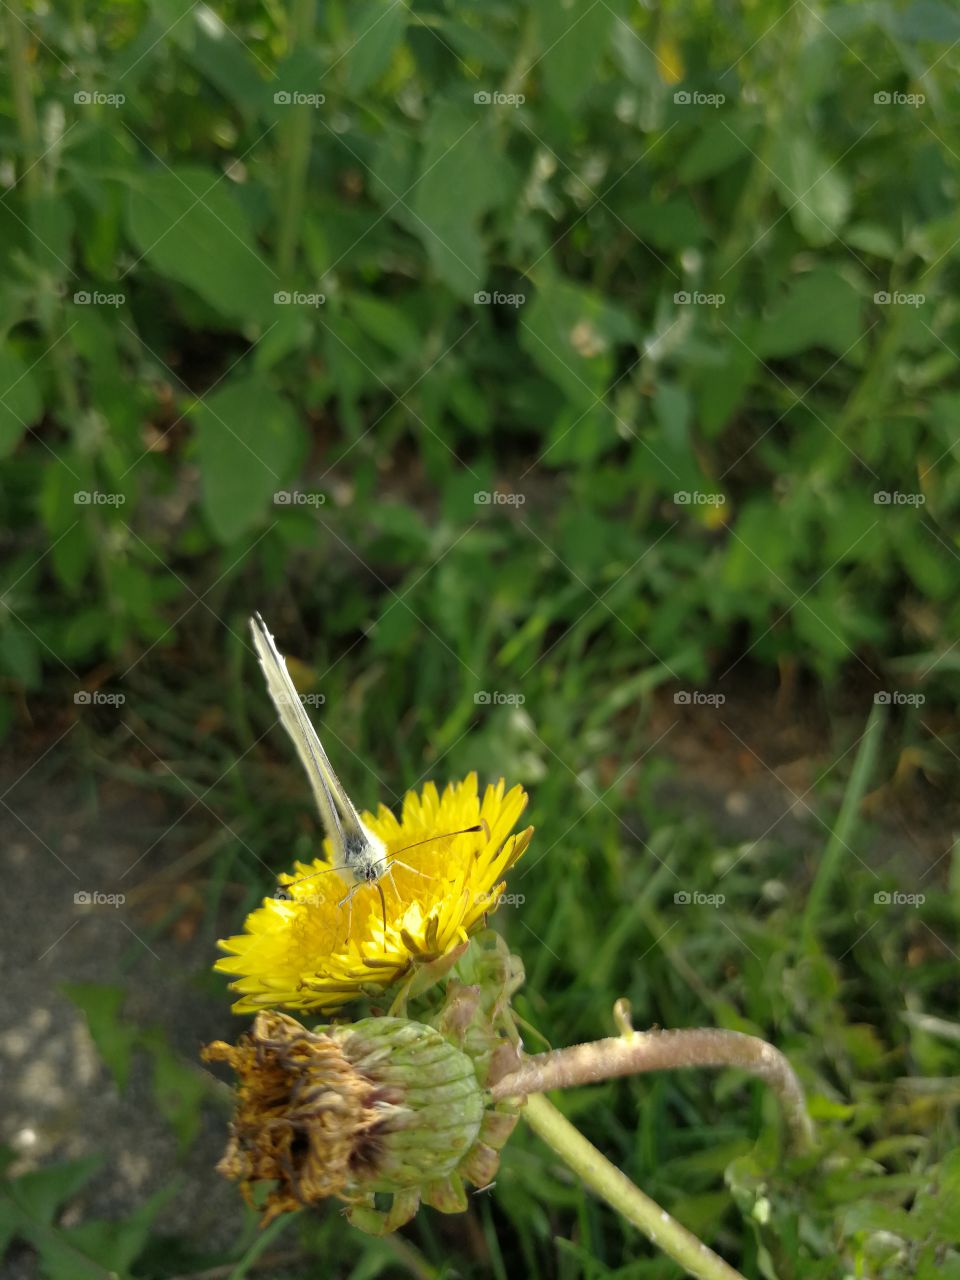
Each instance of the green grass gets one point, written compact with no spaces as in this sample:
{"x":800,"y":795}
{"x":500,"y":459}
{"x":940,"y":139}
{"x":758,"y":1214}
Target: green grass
{"x":579,"y":596}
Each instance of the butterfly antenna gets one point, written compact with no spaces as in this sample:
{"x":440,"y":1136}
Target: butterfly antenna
{"x":313,"y":875}
{"x":447,"y":835}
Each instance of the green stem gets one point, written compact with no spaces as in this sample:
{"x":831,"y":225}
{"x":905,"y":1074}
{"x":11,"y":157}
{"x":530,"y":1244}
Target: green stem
{"x":638,"y":1051}
{"x":23,"y":98}
{"x":259,"y":1246}
{"x":838,"y":844}
{"x":615,"y":1187}
{"x":296,"y":148}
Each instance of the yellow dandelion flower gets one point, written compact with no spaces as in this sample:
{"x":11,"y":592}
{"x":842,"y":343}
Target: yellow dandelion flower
{"x":330,"y":938}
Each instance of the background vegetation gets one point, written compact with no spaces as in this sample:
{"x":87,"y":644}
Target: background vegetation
{"x":698,"y":443}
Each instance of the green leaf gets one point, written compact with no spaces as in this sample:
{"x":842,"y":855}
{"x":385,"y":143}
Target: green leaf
{"x":189,"y":227}
{"x":114,"y":1038}
{"x":375,"y":33}
{"x":573,"y":36}
{"x":820,"y":309}
{"x":722,"y":391}
{"x":38,"y":1195}
{"x":570,"y":334}
{"x":20,"y":655}
{"x":51,"y":222}
{"x":217,"y":52}
{"x":249,"y":441}
{"x":178,"y":1089}
{"x":115,"y":1246}
{"x":461,"y":176}
{"x":937,"y":1209}
{"x":717,"y":146}
{"x":20,"y":402}
{"x":811,"y":186}
{"x":386,"y":323}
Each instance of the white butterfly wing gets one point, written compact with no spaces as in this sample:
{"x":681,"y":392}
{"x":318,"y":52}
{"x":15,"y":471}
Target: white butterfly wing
{"x":338,"y":814}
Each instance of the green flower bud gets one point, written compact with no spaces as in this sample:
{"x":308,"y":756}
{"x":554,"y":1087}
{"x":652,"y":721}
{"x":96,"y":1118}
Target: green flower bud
{"x":381,"y":1105}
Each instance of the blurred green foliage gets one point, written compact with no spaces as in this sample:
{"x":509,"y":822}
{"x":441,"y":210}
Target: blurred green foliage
{"x":187,"y":397}
{"x":735,"y":238}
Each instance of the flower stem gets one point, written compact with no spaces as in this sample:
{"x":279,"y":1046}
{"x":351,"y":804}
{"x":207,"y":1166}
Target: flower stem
{"x":639,"y":1051}
{"x":296,"y":150}
{"x":620,"y":1193}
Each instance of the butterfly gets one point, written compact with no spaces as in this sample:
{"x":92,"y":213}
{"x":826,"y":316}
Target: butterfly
{"x":360,"y":856}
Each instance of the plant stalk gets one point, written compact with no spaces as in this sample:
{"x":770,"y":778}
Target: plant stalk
{"x":615,"y":1187}
{"x":640,"y":1051}
{"x":296,"y":152}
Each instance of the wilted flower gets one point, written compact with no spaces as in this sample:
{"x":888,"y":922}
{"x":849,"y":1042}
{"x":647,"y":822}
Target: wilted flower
{"x":380,"y":1105}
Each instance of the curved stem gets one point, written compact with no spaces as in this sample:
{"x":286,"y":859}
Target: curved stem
{"x":658,"y":1050}
{"x":615,"y":1187}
